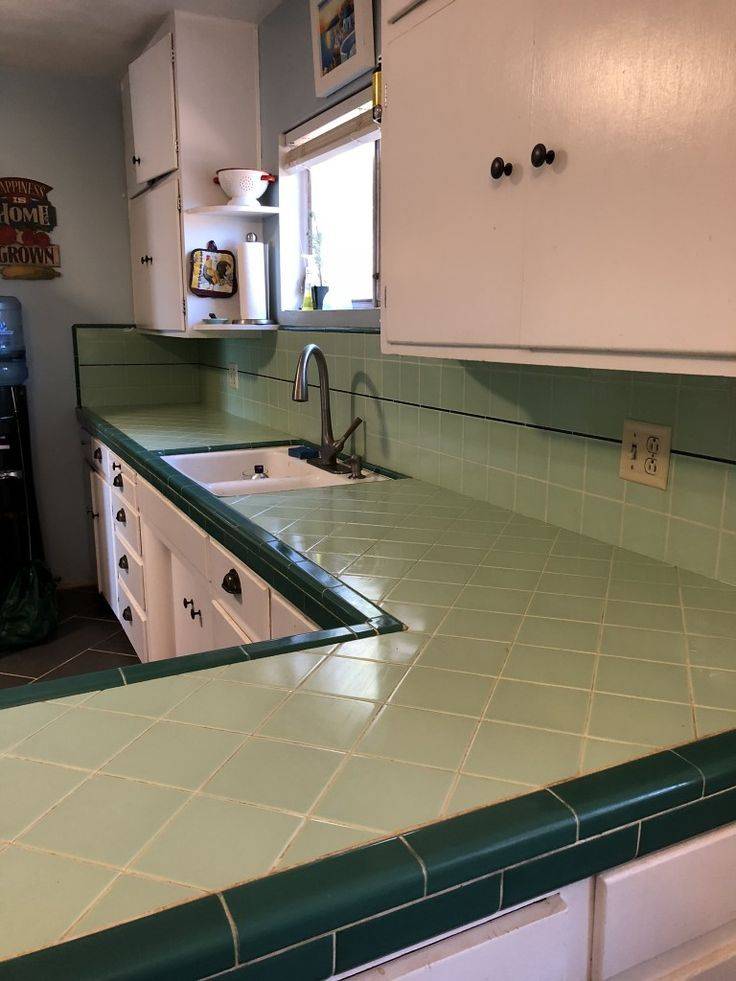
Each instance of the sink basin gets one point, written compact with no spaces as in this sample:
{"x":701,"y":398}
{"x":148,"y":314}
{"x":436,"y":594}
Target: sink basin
{"x":230,"y":473}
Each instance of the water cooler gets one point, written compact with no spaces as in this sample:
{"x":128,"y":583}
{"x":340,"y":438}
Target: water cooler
{"x":20,"y":538}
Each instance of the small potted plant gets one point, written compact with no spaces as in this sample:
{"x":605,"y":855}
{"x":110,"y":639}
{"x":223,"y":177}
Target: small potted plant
{"x":319,"y":290}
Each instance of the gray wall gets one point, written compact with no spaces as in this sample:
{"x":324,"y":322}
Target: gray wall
{"x":67,"y":132}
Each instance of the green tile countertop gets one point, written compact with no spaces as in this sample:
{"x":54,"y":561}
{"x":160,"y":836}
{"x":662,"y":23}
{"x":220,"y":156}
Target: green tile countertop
{"x":556,"y":706}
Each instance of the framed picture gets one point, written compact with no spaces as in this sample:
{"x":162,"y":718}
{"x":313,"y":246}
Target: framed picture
{"x":342,"y":42}
{"x":212,"y":272}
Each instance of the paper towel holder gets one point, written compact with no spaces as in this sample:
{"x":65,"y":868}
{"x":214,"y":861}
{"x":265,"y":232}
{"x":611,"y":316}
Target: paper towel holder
{"x":264,"y":322}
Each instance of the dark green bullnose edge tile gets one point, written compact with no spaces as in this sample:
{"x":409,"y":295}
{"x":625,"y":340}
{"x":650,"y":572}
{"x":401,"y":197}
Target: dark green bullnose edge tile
{"x":308,"y":962}
{"x":284,"y":909}
{"x":186,"y":943}
{"x":568,"y":865}
{"x":420,"y":921}
{"x":686,"y":822}
{"x":76,"y":685}
{"x":715,"y":757}
{"x":634,"y":790}
{"x":489,"y":839}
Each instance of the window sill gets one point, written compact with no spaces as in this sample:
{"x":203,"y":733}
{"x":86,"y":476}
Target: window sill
{"x":365,"y":320}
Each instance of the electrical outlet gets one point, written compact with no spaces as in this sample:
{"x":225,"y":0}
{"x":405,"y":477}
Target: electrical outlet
{"x":232,"y":376}
{"x":645,"y":453}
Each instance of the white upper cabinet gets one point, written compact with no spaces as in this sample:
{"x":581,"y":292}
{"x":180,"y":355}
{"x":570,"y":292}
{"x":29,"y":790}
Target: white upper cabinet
{"x":620,"y":252}
{"x":133,"y":183}
{"x":156,"y":257}
{"x":153,"y":112}
{"x":456,"y":97}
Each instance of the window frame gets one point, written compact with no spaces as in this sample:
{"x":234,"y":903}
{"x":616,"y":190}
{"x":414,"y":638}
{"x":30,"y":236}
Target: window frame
{"x":289,"y":195}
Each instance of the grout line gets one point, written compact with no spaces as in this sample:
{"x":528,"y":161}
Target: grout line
{"x":420,"y":861}
{"x":233,"y":928}
{"x":572,"y":810}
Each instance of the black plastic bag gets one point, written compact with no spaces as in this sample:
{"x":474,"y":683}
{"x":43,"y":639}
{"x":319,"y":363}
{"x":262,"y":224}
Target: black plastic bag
{"x":28,"y":612}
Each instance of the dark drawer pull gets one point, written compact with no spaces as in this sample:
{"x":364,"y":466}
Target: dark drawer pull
{"x":128,"y":614}
{"x":123,"y":563}
{"x":231,"y":583}
{"x":117,"y":480}
{"x":120,"y":516}
{"x":117,"y":466}
{"x":192,"y":612}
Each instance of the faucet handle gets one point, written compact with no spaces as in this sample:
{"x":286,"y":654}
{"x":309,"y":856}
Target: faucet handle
{"x":348,"y":433}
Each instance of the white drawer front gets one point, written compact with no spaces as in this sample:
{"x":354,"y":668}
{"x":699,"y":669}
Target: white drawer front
{"x":129,"y":569}
{"x":124,"y":483}
{"x":244,"y":595}
{"x":680,"y":893}
{"x":133,"y":621}
{"x":172,"y":527}
{"x":126,"y":521}
{"x":225,"y":631}
{"x":117,"y":465}
{"x":287,"y":620}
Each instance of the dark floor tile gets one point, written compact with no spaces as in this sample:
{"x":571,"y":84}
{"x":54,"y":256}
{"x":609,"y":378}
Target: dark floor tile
{"x":83,"y":602}
{"x":73,"y":636}
{"x":117,"y":643}
{"x":11,"y":680}
{"x":90,"y":661}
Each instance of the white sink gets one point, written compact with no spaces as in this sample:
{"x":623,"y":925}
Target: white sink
{"x":230,"y":473}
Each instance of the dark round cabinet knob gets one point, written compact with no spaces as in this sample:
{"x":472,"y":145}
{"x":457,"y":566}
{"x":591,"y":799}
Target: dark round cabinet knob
{"x":128,"y":614}
{"x":98,"y":455}
{"x":231,"y":583}
{"x":123,"y":563}
{"x":120,"y":516}
{"x":499,"y":168}
{"x":117,"y":480}
{"x":541,"y":155}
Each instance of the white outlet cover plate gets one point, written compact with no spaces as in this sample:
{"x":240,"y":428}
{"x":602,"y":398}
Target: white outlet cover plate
{"x":645,"y":453}
{"x":233,"y":380}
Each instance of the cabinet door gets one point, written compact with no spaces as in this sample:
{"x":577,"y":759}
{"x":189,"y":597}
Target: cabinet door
{"x":226,"y":632}
{"x":132,"y":178}
{"x":103,"y":534}
{"x":153,"y":111}
{"x":156,"y":258}
{"x":190,"y":597}
{"x":629,"y":236}
{"x":457,"y":91}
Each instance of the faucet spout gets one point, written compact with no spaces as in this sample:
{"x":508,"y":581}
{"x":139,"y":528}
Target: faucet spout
{"x":329,"y":446}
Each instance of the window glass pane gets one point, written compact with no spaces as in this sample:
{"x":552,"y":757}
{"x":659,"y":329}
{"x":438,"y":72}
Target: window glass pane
{"x":341,"y":200}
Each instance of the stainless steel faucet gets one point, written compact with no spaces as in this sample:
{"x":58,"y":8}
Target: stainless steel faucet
{"x":329,"y":446}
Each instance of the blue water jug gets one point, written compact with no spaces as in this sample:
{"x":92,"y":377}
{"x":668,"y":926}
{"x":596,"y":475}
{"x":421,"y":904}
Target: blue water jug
{"x":13,"y":368}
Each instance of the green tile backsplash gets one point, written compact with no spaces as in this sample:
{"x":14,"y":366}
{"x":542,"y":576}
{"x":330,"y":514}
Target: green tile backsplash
{"x":541,"y":441}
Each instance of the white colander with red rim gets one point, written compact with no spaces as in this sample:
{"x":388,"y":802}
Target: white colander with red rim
{"x":243,"y":187}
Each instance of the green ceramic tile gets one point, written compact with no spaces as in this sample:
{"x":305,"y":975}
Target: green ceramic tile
{"x":416,"y":736}
{"x":646,"y":679}
{"x":309,"y":962}
{"x":397,"y":648}
{"x":573,"y":669}
{"x":242,"y":842}
{"x":441,"y":572}
{"x":711,"y":622}
{"x":571,"y":565}
{"x":373,"y":587}
{"x":129,"y":897}
{"x":151,"y":698}
{"x":417,"y":922}
{"x":715,"y":759}
{"x":173,"y":753}
{"x":431,"y":593}
{"x":566,"y":634}
{"x":709,"y":721}
{"x":36,"y":786}
{"x":56,"y":889}
{"x":281,"y":910}
{"x":566,"y":585}
{"x":601,"y":470}
{"x":697,"y":490}
{"x":650,"y":645}
{"x":506,"y":578}
{"x":691,"y":545}
{"x":640,"y":720}
{"x":637,"y":569}
{"x":534,"y":756}
{"x":686,"y":822}
{"x":599,"y":754}
{"x":571,"y":864}
{"x":479,"y":842}
{"x":424,"y":619}
{"x":508,"y":559}
{"x":106,"y":819}
{"x":318,"y":839}
{"x":384,"y":794}
{"x":566,"y":607}
{"x":485,"y":657}
{"x":380,"y":566}
{"x":444,"y":691}
{"x":544,"y":706}
{"x":398,"y":550}
{"x":275,"y":774}
{"x":473,"y":792}
{"x":283,"y":671}
{"x":606,"y":800}
{"x":83,"y":738}
{"x":645,"y":615}
{"x":355,"y":678}
{"x":493,"y":599}
{"x":480,"y":625}
{"x":643,"y":592}
{"x":713,"y":688}
{"x":228,"y":705}
{"x":320,"y":720}
{"x":709,"y":599}
{"x":18,"y":723}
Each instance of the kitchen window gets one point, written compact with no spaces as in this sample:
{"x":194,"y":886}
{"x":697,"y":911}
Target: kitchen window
{"x":329,"y":218}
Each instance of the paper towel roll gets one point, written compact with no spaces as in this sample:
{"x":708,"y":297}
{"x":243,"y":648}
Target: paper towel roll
{"x":253,"y":280}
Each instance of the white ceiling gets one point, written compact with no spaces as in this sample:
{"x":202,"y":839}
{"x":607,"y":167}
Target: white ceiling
{"x":97,"y":37}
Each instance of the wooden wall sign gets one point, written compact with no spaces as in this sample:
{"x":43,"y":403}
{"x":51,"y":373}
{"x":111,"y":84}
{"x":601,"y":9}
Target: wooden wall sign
{"x":27,"y":218}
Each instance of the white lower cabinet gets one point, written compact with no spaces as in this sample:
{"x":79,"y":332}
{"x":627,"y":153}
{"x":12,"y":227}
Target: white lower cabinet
{"x":241,"y":593}
{"x":129,"y":568}
{"x":133,"y":620}
{"x":287,"y":620}
{"x":190,"y":595}
{"x":103,"y":535}
{"x":225,"y":631}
